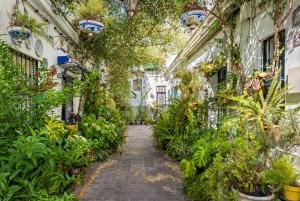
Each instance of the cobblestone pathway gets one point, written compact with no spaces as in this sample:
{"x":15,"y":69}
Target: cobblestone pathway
{"x":140,"y":173}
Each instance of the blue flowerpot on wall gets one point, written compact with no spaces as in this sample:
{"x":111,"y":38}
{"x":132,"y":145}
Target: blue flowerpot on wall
{"x":91,"y":26}
{"x":19,"y":34}
{"x":192,"y":18}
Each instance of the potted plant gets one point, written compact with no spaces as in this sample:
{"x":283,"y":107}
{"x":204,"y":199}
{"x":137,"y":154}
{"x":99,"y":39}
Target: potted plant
{"x":262,"y":115}
{"x":91,"y":16}
{"x":193,"y":14}
{"x":73,"y":120}
{"x":285,"y":177}
{"x":22,"y":26}
{"x":246,"y":169}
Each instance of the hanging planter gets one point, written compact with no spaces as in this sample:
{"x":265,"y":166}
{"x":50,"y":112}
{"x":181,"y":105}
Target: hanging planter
{"x":22,"y":25}
{"x":20,"y":28}
{"x":90,"y":16}
{"x":19,"y":34}
{"x":91,"y":26}
{"x":193,"y":15}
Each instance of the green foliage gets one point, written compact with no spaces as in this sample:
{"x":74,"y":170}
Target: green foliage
{"x":40,"y":166}
{"x":263,"y":113}
{"x":24,"y":20}
{"x":100,"y":103}
{"x":102,"y":121}
{"x":101,"y":130}
{"x":39,"y":158}
{"x":239,"y":157}
{"x":206,"y":171}
{"x":182,"y":122}
{"x":282,"y":172}
{"x":126,"y":41}
{"x":92,"y":9}
{"x":23,"y":104}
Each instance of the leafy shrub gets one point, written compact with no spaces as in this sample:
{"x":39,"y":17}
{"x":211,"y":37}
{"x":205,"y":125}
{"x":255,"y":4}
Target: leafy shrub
{"x":41,"y":163}
{"x":102,"y":122}
{"x":282,"y":172}
{"x":22,"y":105}
{"x":101,"y":130}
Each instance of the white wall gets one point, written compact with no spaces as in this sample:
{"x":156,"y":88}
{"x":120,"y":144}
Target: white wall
{"x":151,"y":80}
{"x":50,"y":51}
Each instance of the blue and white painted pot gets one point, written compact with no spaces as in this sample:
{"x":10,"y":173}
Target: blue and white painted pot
{"x":91,"y":26}
{"x":19,"y":34}
{"x":192,"y":18}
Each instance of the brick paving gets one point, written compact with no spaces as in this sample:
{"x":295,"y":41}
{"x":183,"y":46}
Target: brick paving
{"x":140,"y":173}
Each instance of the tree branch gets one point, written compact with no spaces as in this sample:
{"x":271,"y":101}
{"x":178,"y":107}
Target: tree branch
{"x":288,"y":11}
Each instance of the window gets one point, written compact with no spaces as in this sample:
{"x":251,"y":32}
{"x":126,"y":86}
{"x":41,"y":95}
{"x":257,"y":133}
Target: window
{"x":161,"y":89}
{"x":161,"y":95}
{"x":137,"y":85}
{"x":268,"y":53}
{"x":28,"y":64}
{"x":222,"y":75}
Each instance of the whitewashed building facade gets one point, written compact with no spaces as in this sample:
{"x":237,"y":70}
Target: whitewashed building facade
{"x":55,"y":51}
{"x":254,"y":33}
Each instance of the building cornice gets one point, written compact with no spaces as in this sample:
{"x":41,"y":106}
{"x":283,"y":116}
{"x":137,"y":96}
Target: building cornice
{"x":46,"y":8}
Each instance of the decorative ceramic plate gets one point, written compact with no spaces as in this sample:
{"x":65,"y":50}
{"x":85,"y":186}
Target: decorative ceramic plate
{"x":29,"y":43}
{"x":38,"y":47}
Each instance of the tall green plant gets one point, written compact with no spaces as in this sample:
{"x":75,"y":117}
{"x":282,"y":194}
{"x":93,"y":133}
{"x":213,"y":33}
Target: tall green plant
{"x":263,"y":113}
{"x":40,"y":166}
{"x":25,"y":102}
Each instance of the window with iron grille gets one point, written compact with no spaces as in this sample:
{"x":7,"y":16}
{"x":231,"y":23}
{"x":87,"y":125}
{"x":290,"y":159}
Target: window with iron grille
{"x":28,"y":64}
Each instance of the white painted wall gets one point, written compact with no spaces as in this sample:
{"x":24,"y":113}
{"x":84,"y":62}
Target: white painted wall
{"x":150,"y":80}
{"x":50,"y":51}
{"x":249,"y":34}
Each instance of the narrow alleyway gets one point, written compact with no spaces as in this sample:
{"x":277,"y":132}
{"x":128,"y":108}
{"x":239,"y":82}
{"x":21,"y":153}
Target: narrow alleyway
{"x":140,"y":173}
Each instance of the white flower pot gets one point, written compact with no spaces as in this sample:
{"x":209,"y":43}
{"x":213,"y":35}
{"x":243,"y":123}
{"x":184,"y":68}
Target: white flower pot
{"x":244,"y":197}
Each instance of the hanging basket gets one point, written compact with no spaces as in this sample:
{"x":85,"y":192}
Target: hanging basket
{"x":19,"y":34}
{"x":18,"y":30}
{"x":193,"y":14}
{"x":91,"y":26}
{"x":192,"y":18}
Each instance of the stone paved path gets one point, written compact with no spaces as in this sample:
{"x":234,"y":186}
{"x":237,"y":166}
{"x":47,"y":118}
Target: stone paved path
{"x":140,"y":173}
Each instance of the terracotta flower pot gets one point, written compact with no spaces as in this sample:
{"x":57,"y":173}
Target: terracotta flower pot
{"x":291,"y":193}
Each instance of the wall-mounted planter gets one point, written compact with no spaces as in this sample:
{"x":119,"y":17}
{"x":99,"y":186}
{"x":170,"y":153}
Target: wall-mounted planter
{"x":19,"y":34}
{"x":91,"y":26}
{"x":192,"y":18}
